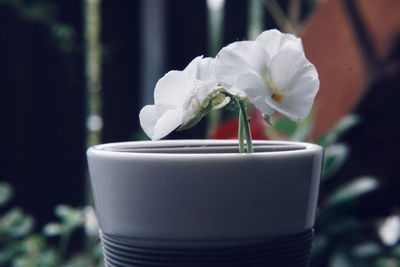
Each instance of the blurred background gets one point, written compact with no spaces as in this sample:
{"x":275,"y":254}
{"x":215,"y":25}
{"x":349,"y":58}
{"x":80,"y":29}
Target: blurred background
{"x":75,"y":73}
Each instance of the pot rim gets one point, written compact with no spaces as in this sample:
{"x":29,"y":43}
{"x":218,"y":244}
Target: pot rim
{"x":200,"y":148}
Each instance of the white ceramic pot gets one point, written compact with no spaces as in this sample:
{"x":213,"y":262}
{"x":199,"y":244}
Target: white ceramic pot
{"x":201,"y":203}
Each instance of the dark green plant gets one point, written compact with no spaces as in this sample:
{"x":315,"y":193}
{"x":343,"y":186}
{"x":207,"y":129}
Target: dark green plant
{"x":22,"y":246}
{"x":342,"y":238}
{"x":46,"y":13}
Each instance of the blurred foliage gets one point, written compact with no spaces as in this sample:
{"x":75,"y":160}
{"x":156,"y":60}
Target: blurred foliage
{"x":45,"y":13}
{"x":344,"y":239}
{"x":21,"y":246}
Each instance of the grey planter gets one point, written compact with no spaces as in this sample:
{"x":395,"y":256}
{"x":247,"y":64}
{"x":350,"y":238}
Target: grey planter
{"x":200,"y":203}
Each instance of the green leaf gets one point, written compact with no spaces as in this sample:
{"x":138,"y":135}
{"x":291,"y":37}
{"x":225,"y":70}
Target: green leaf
{"x":33,"y":244}
{"x":367,"y":249}
{"x":285,"y":126}
{"x":339,"y":259}
{"x":334,"y":157}
{"x":343,"y":226}
{"x":296,"y":131}
{"x":388,"y":262}
{"x":47,"y":258}
{"x":24,"y":227}
{"x":8,"y":253}
{"x":16,"y":224}
{"x":320,"y":243}
{"x":6,"y":193}
{"x":396,"y":251}
{"x":70,"y":217}
{"x":303,"y":129}
{"x":53,"y":229}
{"x":346,"y":124}
{"x":353,"y":190}
{"x":341,"y":127}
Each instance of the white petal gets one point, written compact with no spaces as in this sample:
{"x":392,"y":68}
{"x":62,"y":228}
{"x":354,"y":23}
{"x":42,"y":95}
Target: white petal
{"x":273,"y":41}
{"x":289,"y":67}
{"x":201,"y":69}
{"x":205,"y":89}
{"x":148,"y":117}
{"x":255,"y":88}
{"x":296,"y":79}
{"x":191,"y":69}
{"x":159,"y":121}
{"x":293,"y":108}
{"x":238,"y":58}
{"x":168,"y":122}
{"x":206,"y":69}
{"x":172,"y":89}
{"x":194,"y":101}
{"x":201,"y":72}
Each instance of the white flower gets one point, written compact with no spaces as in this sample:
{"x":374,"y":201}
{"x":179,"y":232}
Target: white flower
{"x":389,"y":231}
{"x":272,"y":72}
{"x":182,"y":98}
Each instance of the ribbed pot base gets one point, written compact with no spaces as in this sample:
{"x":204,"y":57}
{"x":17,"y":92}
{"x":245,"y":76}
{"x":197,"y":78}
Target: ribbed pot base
{"x":284,"y":251}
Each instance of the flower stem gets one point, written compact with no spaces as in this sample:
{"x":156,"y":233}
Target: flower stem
{"x":241,"y":131}
{"x":244,"y":127}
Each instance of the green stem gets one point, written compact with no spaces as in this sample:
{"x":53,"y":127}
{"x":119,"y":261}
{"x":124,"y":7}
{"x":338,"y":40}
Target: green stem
{"x":245,"y":126}
{"x":241,"y":132}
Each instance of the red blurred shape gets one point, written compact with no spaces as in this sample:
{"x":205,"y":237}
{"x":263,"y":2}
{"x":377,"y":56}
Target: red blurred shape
{"x":229,"y":129}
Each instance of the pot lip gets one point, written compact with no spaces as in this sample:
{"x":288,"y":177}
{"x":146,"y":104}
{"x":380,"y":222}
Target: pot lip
{"x":106,"y":150}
